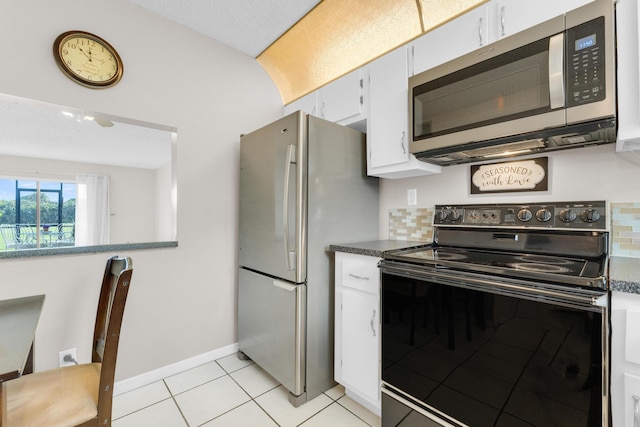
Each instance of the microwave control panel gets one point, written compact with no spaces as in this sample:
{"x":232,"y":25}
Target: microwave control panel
{"x":585,"y":63}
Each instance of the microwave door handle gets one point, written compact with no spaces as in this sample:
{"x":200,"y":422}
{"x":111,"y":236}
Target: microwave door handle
{"x":291,"y":150}
{"x":556,"y":71}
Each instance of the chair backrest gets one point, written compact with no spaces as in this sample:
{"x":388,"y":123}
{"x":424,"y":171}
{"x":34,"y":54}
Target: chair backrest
{"x":113,"y":295}
{"x":8,"y":233}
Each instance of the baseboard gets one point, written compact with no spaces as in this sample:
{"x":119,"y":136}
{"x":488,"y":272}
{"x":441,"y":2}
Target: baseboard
{"x":169,"y":370}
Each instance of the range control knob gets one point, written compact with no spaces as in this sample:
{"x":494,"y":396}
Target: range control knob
{"x":568,"y":215}
{"x":590,"y":215}
{"x":441,"y":215}
{"x":525,"y":215}
{"x":454,"y":215}
{"x":543,"y":215}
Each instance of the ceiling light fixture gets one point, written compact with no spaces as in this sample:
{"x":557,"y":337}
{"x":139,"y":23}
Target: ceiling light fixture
{"x":339,"y":36}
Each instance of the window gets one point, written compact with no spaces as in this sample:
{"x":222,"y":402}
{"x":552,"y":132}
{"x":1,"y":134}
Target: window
{"x":36,"y":214}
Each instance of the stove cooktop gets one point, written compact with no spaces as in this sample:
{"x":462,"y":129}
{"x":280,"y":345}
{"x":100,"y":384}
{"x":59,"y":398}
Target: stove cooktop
{"x":556,"y":269}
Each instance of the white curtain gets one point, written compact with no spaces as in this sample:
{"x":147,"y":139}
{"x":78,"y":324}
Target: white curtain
{"x":92,"y":210}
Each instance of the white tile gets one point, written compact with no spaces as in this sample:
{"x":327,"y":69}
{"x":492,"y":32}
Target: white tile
{"x":163,"y":414}
{"x":335,"y":392}
{"x":248,"y":414}
{"x":276,"y":404}
{"x":362,"y":412}
{"x":254,"y":380}
{"x":210,"y":400}
{"x":194,"y":377}
{"x":334,"y":415}
{"x":139,"y":398}
{"x":232,"y":363}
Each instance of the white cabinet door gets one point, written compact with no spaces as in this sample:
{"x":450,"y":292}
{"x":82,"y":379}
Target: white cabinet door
{"x":388,"y":108}
{"x":387,"y":125}
{"x":308,"y":104}
{"x":357,"y":325}
{"x":462,"y":35}
{"x":628,"y":70}
{"x":625,"y":358}
{"x":360,"y":330}
{"x":516,"y":15}
{"x":343,"y":99}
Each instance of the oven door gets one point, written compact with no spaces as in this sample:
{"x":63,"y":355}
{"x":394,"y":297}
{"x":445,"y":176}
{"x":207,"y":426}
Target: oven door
{"x":465,"y":349}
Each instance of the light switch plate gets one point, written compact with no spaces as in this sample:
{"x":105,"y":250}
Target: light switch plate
{"x":412,"y":197}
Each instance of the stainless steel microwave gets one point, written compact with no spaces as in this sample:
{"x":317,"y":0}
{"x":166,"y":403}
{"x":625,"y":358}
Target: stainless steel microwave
{"x":550,"y":87}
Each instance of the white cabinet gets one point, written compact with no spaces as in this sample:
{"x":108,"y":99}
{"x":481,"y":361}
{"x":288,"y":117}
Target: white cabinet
{"x":512,"y":16}
{"x":483,"y":25}
{"x":387,"y":124}
{"x":341,"y":101}
{"x":462,"y":35}
{"x":625,"y":359}
{"x":357,"y":328}
{"x":308,"y":104}
{"x":628,"y":40}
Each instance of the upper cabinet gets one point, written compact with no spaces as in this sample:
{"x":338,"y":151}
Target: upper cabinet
{"x":512,"y":16}
{"x":387,"y":124}
{"x":480,"y":26}
{"x":341,"y":101}
{"x":462,"y":35}
{"x":628,"y":41}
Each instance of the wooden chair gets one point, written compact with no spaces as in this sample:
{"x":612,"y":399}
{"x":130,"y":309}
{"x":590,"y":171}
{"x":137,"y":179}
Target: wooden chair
{"x":79,"y":395}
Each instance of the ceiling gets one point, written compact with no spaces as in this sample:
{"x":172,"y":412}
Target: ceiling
{"x":249,"y":26}
{"x":306,"y":44}
{"x":40,"y":130}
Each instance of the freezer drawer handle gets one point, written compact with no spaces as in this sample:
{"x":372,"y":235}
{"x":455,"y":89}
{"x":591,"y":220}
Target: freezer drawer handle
{"x":290,"y":256}
{"x":284,"y":285}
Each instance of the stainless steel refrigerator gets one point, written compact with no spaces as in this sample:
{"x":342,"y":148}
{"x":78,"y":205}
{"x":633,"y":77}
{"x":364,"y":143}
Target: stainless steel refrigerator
{"x":303,"y":186}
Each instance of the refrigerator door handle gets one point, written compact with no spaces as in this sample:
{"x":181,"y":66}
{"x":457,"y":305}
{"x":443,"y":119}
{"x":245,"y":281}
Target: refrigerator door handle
{"x":290,"y":256}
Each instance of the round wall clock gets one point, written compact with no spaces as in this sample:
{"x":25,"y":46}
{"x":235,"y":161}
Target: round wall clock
{"x":87,"y":59}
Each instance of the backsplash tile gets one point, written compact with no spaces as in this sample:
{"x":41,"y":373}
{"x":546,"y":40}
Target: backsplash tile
{"x":411,"y":224}
{"x":625,"y":229}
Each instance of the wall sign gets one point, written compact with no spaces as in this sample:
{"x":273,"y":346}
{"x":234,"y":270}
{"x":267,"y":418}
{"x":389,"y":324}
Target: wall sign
{"x":503,"y":177}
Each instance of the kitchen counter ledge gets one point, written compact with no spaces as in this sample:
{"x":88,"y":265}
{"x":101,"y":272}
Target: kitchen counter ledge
{"x":77,"y":250}
{"x":375,"y":248}
{"x":624,"y":274}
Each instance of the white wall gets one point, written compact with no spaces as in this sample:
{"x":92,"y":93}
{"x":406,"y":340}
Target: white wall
{"x":593,"y":173}
{"x":182,"y":300}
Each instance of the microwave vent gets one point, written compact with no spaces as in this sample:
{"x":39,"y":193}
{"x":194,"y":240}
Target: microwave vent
{"x":579,"y":135}
{"x":506,"y":150}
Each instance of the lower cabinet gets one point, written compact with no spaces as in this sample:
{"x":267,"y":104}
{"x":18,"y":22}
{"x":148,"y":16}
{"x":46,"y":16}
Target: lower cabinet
{"x":357,"y":328}
{"x":625,"y":359}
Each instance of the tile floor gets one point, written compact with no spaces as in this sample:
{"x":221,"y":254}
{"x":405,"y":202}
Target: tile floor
{"x":232,"y":392}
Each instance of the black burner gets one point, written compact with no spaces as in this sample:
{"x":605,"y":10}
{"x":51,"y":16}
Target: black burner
{"x":542,"y":268}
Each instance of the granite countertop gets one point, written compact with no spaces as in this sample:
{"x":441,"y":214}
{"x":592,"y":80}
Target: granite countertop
{"x":624,"y":274}
{"x":375,"y":248}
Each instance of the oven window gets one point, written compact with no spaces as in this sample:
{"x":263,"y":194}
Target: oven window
{"x":491,"y":360}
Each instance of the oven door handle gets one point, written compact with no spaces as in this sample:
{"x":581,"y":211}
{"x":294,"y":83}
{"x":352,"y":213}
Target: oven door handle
{"x":572,"y":297}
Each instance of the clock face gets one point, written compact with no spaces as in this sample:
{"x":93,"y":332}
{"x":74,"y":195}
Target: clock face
{"x":87,"y":59}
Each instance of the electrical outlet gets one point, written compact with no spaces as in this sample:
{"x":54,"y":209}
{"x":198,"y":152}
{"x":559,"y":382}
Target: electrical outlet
{"x":412,"y":197}
{"x":70,"y":358}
